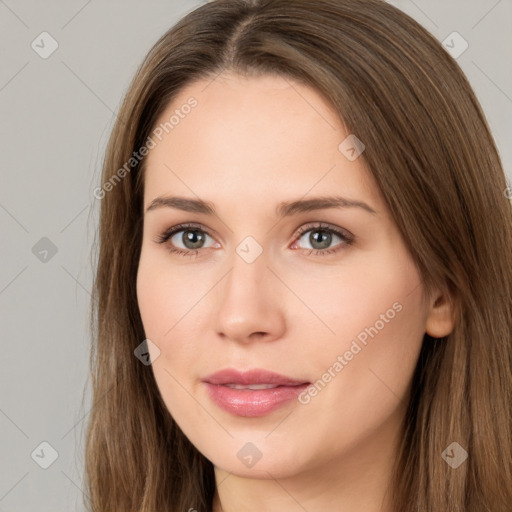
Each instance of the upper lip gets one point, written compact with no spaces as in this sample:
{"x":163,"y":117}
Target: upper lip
{"x":247,"y":378}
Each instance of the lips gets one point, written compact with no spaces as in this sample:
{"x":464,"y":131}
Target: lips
{"x":251,"y":378}
{"x":252,"y":393}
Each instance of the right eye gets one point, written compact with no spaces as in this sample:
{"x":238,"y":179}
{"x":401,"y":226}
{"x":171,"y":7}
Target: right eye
{"x":192,"y":236}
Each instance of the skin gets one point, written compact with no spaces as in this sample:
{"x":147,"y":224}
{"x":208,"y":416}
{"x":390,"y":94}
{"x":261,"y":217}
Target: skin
{"x":249,"y":144}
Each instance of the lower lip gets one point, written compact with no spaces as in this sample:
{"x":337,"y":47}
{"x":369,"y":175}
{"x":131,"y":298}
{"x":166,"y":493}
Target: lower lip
{"x":246,"y":402}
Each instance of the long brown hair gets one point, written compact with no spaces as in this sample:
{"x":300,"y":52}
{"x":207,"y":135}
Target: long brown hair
{"x":431,"y":153}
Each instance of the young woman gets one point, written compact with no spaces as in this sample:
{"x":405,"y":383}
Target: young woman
{"x":303,"y":297}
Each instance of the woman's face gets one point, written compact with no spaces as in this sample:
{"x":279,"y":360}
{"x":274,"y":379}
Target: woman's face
{"x":274,"y":280}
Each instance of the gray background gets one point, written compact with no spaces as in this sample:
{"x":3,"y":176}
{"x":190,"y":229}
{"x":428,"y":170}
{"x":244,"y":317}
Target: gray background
{"x":56,"y":115}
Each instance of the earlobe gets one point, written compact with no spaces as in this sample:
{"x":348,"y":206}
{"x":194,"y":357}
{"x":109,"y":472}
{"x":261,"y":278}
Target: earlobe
{"x":441,"y":316}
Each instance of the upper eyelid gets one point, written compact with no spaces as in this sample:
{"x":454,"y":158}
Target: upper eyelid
{"x":323,"y":225}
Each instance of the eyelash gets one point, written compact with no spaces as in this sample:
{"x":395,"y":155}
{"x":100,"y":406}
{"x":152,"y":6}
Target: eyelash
{"x":169,"y":233}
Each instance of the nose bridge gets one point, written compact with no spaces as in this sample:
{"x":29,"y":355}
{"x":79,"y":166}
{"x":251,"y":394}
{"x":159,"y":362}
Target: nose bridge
{"x":247,"y":299}
{"x":248,"y":277}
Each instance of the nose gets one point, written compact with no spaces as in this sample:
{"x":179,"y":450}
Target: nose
{"x":251,"y":302}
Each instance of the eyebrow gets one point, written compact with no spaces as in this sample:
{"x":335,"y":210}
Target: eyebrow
{"x":283,"y":209}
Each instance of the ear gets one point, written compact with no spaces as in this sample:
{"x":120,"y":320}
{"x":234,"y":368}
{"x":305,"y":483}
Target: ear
{"x":441,"y":315}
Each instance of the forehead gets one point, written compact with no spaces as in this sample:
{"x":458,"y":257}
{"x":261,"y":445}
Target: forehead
{"x":250,"y":138}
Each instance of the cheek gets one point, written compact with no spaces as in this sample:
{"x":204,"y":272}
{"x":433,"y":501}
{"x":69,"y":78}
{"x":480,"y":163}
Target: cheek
{"x":377,"y":305}
{"x":365,"y":367}
{"x":381,"y":287}
{"x":152,"y":296}
{"x":158,"y":294}
{"x":168,"y":321}
{"x":154,"y":305}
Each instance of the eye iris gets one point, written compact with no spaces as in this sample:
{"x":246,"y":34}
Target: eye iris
{"x":193,"y":236}
{"x":325,"y":239}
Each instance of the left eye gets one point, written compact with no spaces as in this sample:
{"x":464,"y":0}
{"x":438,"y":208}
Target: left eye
{"x":194,"y":237}
{"x":321,"y":237}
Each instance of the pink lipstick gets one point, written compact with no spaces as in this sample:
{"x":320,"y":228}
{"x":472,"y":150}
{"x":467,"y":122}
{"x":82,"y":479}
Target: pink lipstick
{"x":252,"y":393}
